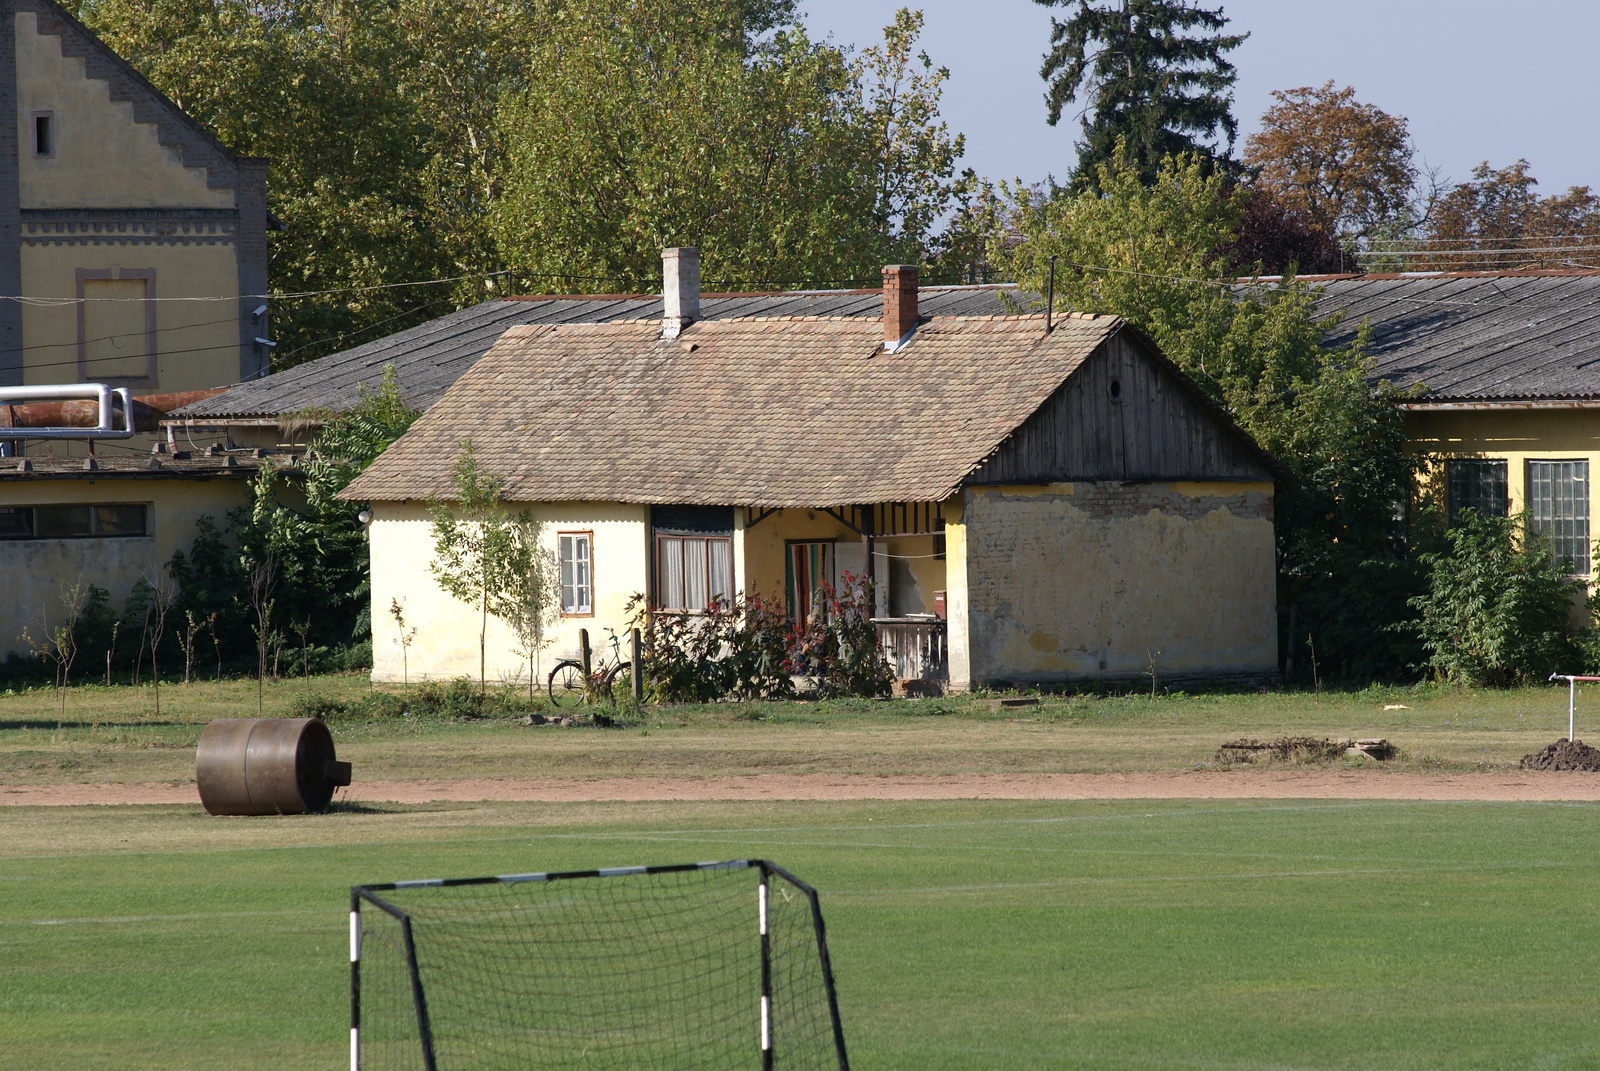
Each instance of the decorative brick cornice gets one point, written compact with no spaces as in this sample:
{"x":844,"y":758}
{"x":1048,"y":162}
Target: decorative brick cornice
{"x":129,"y":226}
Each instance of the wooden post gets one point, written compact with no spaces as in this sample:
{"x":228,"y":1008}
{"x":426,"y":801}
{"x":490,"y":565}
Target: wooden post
{"x":584,"y":655}
{"x":638,"y":668}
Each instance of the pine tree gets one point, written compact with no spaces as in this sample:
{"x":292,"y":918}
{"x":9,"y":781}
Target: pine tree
{"x":1142,"y":80}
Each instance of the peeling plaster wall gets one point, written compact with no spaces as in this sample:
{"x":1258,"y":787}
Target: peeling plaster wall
{"x":446,"y":642}
{"x":34,"y":570}
{"x":1089,"y":580}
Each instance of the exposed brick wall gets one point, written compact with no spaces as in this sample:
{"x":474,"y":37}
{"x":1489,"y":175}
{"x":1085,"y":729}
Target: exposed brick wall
{"x":1103,"y":580}
{"x":1112,"y":500}
{"x":10,"y":213}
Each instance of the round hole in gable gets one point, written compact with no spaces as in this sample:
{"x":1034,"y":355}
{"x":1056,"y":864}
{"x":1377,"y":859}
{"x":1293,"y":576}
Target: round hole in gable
{"x":1116,"y":388}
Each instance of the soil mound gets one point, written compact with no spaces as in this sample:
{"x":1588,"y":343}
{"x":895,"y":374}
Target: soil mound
{"x":1565,"y":755}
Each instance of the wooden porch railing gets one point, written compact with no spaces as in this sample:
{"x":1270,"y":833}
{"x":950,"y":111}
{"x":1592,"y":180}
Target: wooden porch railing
{"x":914,"y":646}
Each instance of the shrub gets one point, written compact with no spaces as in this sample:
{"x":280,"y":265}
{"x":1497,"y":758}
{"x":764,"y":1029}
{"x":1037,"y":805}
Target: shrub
{"x":735,"y":650}
{"x":1498,"y":606}
{"x":838,"y":646}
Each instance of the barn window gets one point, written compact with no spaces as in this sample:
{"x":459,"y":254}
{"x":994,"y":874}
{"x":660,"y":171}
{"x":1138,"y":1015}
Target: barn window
{"x":1558,"y":501}
{"x":76,"y":521}
{"x":575,"y":557}
{"x":1477,"y":485}
{"x":1116,"y":388}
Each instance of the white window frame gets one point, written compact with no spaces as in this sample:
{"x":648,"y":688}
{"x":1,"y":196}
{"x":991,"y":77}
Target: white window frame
{"x":576,"y":549}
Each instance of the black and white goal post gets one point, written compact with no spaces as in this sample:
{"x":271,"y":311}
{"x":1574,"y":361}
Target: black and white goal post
{"x":692,"y":965}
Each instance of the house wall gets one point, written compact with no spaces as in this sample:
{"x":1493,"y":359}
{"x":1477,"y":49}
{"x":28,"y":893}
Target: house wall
{"x":446,"y":642}
{"x":1085,"y":581}
{"x":1516,"y":435}
{"x":36,"y":570}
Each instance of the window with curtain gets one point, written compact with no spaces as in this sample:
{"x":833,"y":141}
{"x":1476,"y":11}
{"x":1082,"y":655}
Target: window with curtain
{"x":693,"y":571}
{"x":1558,"y":507}
{"x":1477,"y":484}
{"x":574,"y":553}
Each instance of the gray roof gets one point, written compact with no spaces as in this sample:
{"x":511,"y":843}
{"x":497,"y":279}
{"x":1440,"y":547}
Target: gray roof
{"x":1477,"y":337}
{"x":430,"y":357}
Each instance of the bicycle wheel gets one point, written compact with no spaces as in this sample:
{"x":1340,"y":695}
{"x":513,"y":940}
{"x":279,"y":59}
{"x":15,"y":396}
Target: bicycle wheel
{"x":619,"y":684}
{"x":565,"y":684}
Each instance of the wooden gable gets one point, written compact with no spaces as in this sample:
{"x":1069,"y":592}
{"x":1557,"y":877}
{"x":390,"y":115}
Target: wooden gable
{"x":1125,"y":414}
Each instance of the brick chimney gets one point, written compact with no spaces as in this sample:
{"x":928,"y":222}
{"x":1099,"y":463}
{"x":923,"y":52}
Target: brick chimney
{"x":680,"y":273}
{"x":899,"y":305}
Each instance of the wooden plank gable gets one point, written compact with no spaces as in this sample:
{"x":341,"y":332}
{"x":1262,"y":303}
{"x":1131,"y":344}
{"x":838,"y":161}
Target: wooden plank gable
{"x":1124,"y":414}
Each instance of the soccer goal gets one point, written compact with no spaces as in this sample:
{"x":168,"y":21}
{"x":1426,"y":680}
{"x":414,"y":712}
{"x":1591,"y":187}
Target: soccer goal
{"x":702,"y":966}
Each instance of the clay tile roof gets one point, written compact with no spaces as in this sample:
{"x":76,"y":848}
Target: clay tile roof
{"x":811,"y":414}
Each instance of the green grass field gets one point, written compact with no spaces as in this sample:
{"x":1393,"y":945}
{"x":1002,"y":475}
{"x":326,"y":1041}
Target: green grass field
{"x":965,"y":935}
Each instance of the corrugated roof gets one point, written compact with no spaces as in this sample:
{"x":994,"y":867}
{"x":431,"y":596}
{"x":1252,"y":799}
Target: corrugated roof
{"x":761,"y":412}
{"x":430,"y":357}
{"x":1477,"y":337}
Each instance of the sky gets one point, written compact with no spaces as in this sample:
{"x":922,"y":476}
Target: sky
{"x":1477,"y":80}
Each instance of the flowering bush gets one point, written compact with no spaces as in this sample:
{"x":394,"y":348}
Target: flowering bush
{"x":747,"y":648}
{"x":838,"y":644}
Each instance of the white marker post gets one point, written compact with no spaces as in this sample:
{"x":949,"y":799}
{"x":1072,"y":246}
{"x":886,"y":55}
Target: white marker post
{"x":1572,"y":700}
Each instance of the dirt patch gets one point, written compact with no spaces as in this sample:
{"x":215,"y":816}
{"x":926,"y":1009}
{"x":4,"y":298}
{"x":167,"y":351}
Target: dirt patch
{"x":1564,"y":755}
{"x":1264,"y":783}
{"x":1283,"y":749}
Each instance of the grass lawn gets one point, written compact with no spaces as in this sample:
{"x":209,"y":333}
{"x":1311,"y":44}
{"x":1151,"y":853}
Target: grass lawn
{"x":965,"y":935}
{"x":114,"y":735}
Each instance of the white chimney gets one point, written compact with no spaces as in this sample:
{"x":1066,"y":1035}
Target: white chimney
{"x":680,"y":271}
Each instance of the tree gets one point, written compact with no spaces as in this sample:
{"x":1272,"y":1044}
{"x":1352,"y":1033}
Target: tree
{"x":1345,"y":166}
{"x":1142,"y":81}
{"x":1498,"y":221}
{"x":471,"y":541}
{"x":1275,"y":240}
{"x":525,"y":596}
{"x":783,"y":160}
{"x":1149,"y":253}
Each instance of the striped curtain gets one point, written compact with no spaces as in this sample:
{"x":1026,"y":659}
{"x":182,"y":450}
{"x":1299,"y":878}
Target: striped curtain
{"x":810,"y":565}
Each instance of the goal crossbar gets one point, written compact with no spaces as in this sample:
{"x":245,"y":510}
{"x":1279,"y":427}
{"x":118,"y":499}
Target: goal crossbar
{"x":427,"y":1050}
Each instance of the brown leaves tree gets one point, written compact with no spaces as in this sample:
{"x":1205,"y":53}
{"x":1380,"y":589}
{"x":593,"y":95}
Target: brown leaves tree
{"x":1343,"y":165}
{"x":1498,"y":222}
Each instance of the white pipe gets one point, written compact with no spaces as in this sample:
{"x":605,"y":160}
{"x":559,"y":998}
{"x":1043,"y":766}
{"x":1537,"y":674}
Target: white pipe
{"x":101,"y":393}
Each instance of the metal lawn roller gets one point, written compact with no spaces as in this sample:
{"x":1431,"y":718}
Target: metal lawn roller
{"x":267,"y":766}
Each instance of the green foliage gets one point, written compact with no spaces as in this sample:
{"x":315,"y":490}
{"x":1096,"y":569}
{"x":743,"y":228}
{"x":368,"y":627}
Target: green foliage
{"x":1498,"y":606}
{"x":735,"y":650}
{"x":1149,"y":252}
{"x":316,"y":541}
{"x":456,"y":700}
{"x":1144,"y":83}
{"x":648,"y":125}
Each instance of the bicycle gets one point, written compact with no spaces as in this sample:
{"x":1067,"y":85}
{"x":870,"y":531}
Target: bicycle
{"x":608,"y":681}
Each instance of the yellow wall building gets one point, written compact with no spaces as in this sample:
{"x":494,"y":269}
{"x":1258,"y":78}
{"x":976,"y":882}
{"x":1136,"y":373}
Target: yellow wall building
{"x":114,"y":205}
{"x":1505,"y":369}
{"x":1036,"y":502}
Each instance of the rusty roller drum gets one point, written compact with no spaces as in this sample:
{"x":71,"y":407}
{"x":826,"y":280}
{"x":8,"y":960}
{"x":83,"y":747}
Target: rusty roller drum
{"x":267,"y":766}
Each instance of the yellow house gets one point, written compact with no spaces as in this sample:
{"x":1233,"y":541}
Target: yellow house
{"x":69,"y":522}
{"x":136,"y":241}
{"x":1507,"y":366}
{"x":1038,"y":501}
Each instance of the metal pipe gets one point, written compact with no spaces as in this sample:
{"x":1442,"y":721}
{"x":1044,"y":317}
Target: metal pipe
{"x":102,"y":394}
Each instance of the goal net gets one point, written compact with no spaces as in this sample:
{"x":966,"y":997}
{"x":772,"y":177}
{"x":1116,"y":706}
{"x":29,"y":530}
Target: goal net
{"x":702,"y":966}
